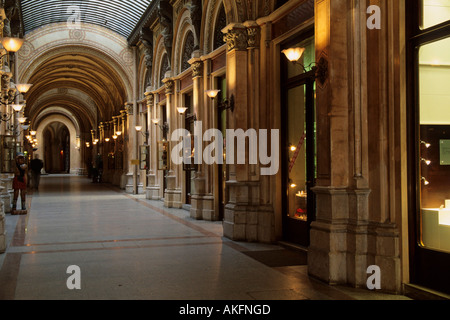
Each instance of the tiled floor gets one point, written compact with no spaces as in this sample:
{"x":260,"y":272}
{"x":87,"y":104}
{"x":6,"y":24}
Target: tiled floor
{"x":130,"y":248}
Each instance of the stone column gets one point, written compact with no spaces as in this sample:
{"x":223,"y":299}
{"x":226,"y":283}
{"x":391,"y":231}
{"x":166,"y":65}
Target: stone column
{"x":152,"y":192}
{"x":172,"y":195}
{"x":200,"y":201}
{"x":357,"y":218}
{"x":244,"y":219}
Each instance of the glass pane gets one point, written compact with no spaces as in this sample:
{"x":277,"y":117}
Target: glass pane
{"x":297,"y":188}
{"x":434,"y":161}
{"x":435,"y":12}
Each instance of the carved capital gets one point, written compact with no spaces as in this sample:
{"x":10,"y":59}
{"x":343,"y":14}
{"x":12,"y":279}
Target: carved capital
{"x":197,"y":69}
{"x":150,"y":98}
{"x":253,"y":34}
{"x":169,"y":86}
{"x":236,"y":38}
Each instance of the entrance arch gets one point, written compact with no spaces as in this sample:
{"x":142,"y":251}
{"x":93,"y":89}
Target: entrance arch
{"x":58,"y":145}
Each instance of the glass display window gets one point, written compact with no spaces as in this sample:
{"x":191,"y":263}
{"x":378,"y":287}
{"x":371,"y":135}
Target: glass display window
{"x":434,"y":12}
{"x":434,"y":150}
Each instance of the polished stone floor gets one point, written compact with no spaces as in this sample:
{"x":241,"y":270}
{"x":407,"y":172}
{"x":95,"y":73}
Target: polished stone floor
{"x":130,"y":248}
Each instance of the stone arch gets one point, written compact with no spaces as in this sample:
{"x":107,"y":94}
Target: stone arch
{"x":210,"y":15}
{"x":40,"y":46}
{"x":183,"y":29}
{"x":75,"y":159}
{"x":160,"y":55}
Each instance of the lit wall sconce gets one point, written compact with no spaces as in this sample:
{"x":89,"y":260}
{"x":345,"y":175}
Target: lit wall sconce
{"x":145,"y":134}
{"x":427,"y":145}
{"x":10,"y":95}
{"x":320,"y":69}
{"x":164,"y":127}
{"x":425,"y":181}
{"x":292,"y":148}
{"x":12,"y":44}
{"x":292,"y":185}
{"x":427,"y":162}
{"x":182,"y":111}
{"x":224,"y":105}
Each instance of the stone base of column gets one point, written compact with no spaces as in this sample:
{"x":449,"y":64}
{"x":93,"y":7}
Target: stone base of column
{"x":129,"y":187}
{"x":2,"y":230}
{"x":245,"y":219}
{"x":202,"y":208}
{"x":344,"y":243}
{"x":249,"y":223}
{"x":172,"y":199}
{"x":172,"y":196}
{"x":152,"y":191}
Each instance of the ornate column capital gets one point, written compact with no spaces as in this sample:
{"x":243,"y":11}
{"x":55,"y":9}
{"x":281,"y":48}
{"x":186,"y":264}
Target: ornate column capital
{"x":197,"y":68}
{"x":169,"y":86}
{"x":128,"y":108}
{"x":236,"y":36}
{"x":253,"y":34}
{"x":150,"y":98}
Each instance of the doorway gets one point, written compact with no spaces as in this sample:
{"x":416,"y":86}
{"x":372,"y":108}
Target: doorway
{"x":298,"y":146}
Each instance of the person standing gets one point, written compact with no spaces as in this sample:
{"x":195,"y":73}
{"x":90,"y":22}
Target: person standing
{"x":36,"y":166}
{"x":20,"y":182}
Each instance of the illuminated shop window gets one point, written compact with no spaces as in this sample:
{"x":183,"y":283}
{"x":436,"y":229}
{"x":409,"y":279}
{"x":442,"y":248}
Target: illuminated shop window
{"x":434,"y":12}
{"x":434,"y":162}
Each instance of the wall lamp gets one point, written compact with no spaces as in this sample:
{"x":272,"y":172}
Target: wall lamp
{"x":10,"y":96}
{"x":6,"y":117}
{"x":164,"y":127}
{"x":224,"y":105}
{"x":182,"y":111}
{"x":320,"y":69}
{"x":427,"y":145}
{"x":11,"y":45}
{"x":145,"y":134}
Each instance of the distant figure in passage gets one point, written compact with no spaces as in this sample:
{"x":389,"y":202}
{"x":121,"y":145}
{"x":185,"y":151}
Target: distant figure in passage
{"x":36,"y":168}
{"x":20,"y":184}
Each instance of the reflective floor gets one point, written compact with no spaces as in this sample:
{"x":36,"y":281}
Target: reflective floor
{"x":130,"y":248}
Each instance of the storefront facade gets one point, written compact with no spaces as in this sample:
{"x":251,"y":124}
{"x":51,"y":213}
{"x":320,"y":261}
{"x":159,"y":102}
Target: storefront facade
{"x":350,"y":180}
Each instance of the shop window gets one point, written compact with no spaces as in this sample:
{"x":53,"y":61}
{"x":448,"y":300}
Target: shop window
{"x":434,"y":12}
{"x":434,"y":151}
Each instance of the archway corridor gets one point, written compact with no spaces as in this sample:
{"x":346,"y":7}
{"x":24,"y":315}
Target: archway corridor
{"x":128,"y":247}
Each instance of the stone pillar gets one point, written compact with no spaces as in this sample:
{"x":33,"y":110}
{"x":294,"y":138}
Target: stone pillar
{"x":172,"y":195}
{"x":357,"y":220}
{"x":202,"y":203}
{"x":152,"y":190}
{"x":245,"y":219}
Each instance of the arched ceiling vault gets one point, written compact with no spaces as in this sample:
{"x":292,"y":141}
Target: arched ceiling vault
{"x":90,"y":75}
{"x":116,"y":15}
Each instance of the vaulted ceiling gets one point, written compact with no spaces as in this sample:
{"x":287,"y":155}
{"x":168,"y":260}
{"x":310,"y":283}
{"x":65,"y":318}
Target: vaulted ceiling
{"x":117,"y":15}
